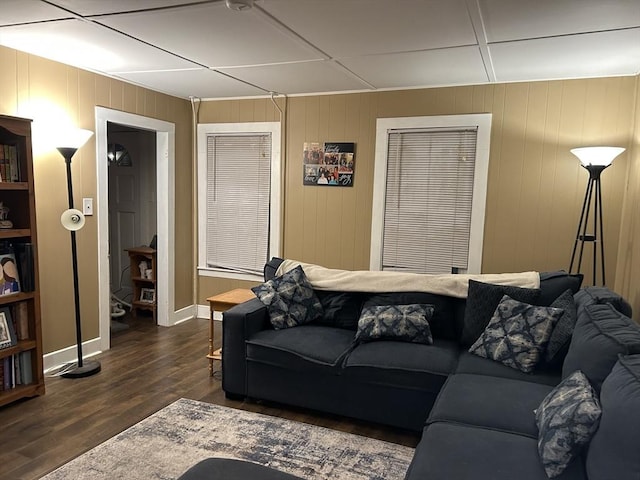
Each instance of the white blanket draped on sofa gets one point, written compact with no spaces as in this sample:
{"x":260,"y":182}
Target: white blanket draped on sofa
{"x":322,"y":278}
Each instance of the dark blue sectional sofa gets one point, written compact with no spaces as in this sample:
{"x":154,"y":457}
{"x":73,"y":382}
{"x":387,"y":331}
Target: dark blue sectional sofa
{"x":475,"y":414}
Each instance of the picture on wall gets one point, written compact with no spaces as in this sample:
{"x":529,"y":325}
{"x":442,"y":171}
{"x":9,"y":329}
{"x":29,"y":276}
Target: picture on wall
{"x":331,"y":165}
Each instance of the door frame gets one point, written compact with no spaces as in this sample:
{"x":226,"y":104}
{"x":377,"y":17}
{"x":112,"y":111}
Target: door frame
{"x":165,"y":173}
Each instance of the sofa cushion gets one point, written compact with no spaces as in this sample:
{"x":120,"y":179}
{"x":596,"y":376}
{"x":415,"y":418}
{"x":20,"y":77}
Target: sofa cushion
{"x":567,"y":419}
{"x":553,"y":284}
{"x":442,"y":321}
{"x":561,"y":335}
{"x":410,"y":365}
{"x":613,"y":451}
{"x":600,"y":334}
{"x":517,"y":334}
{"x":601,"y":295}
{"x":341,"y":309}
{"x":407,"y":323}
{"x":491,"y":402}
{"x":290,"y":299}
{"x":482,"y":301}
{"x":461,"y":452}
{"x":302,"y":348}
{"x":470,"y":363}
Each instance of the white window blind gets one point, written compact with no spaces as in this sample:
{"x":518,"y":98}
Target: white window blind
{"x":238,"y":207}
{"x":428,"y":200}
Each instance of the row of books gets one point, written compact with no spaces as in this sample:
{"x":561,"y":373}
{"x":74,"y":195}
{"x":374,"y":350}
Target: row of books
{"x":16,"y":370}
{"x":9,"y":165}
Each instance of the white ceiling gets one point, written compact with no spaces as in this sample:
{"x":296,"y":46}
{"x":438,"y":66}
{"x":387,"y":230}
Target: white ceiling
{"x":203,"y":49}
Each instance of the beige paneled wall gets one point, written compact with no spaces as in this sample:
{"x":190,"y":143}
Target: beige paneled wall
{"x":628,"y":271}
{"x":536,"y":185}
{"x":28,"y":86}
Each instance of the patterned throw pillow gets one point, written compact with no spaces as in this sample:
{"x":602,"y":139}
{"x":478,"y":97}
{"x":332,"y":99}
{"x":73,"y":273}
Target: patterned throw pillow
{"x":290,"y":299}
{"x":517,"y":334}
{"x":567,"y":419}
{"x":561,"y":334}
{"x":482,"y":300}
{"x":407,"y":323}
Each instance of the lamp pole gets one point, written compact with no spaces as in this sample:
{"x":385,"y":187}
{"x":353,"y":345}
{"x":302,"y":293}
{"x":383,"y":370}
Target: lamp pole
{"x":90,"y":367}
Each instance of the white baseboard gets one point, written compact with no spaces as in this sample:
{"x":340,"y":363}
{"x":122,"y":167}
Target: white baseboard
{"x":204,"y":311}
{"x":70,"y":354}
{"x":184,"y":314}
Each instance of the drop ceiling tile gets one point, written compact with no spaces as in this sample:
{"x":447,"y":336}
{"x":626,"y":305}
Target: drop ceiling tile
{"x":99,"y":7}
{"x":509,"y":20}
{"x":214,"y":36}
{"x":88,"y":46}
{"x":360,"y":27}
{"x":19,"y":11}
{"x":586,"y":55}
{"x":450,"y":66}
{"x":292,"y":78}
{"x":200,"y":83}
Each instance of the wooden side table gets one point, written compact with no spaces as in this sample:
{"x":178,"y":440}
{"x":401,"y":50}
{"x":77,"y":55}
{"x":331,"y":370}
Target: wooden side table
{"x":221,"y":303}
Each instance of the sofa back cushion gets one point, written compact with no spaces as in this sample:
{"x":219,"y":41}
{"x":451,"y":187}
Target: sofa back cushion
{"x":601,"y":295}
{"x":553,"y":284}
{"x":482,"y":301}
{"x":600,"y":334}
{"x":341,"y":309}
{"x":442,"y":322}
{"x":613,"y":452}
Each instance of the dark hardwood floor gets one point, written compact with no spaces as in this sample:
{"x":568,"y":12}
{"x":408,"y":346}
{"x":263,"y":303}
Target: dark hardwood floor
{"x":147,"y":368}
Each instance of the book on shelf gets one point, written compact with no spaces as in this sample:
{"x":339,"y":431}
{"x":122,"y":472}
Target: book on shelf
{"x":23,"y":252}
{"x":9,"y":164}
{"x":21,"y":320}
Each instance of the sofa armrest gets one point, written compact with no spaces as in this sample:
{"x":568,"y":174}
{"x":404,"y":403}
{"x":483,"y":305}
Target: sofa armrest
{"x":238,"y":324}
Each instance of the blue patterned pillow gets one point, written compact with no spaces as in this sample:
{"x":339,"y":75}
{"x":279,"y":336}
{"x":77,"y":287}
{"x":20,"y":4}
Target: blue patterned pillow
{"x":517,"y":334}
{"x":290,"y":299}
{"x":407,"y":323}
{"x":567,"y":419}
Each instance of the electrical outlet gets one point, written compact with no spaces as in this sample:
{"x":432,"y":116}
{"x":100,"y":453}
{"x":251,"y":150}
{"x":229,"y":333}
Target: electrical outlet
{"x":87,"y":206}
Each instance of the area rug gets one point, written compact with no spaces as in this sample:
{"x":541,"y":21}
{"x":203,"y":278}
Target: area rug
{"x":167,"y":443}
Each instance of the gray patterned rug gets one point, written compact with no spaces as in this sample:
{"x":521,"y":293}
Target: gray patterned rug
{"x":166,"y":444}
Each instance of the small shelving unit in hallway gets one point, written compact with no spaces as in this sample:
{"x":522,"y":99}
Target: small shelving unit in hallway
{"x":143,"y":282}
{"x":20,"y":329}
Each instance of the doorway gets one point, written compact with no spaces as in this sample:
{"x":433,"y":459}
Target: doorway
{"x":159,"y":175}
{"x":131,"y":159}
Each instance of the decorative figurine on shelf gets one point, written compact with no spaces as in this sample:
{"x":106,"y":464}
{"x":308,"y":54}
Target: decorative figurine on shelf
{"x":143,"y":265}
{"x":4,"y":214}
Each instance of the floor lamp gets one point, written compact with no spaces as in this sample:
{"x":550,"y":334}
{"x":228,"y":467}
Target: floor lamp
{"x":73,"y":220}
{"x":595,"y":160}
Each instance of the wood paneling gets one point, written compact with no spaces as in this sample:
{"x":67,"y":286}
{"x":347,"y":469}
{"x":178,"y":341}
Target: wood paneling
{"x":627,"y":280}
{"x":535,"y":186}
{"x":29,"y":87}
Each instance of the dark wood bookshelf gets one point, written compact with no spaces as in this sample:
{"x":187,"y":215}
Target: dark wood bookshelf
{"x":17,"y":193}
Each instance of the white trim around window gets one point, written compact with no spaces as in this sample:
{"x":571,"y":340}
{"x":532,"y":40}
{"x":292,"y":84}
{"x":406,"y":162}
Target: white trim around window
{"x":386,"y":125}
{"x":207,"y":129}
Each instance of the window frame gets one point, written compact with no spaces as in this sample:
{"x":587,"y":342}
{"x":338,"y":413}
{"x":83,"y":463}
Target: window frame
{"x":383,"y":125}
{"x":275,"y":199}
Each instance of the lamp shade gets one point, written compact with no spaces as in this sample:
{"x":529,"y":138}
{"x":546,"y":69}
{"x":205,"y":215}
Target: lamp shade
{"x":597,"y":156}
{"x":72,"y":138}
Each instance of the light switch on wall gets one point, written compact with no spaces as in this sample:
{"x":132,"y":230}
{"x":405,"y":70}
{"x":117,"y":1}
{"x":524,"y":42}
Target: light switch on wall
{"x":87,"y":206}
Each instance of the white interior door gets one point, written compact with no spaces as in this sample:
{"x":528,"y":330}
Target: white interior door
{"x":124,"y":224}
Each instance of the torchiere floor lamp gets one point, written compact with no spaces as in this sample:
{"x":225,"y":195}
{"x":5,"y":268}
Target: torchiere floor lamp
{"x":73,"y":220}
{"x":595,"y":160}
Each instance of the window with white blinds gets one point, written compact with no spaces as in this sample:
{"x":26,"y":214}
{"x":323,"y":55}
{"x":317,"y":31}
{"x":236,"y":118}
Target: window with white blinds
{"x":426,"y":189}
{"x":236,"y":202}
{"x":427,"y":215}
